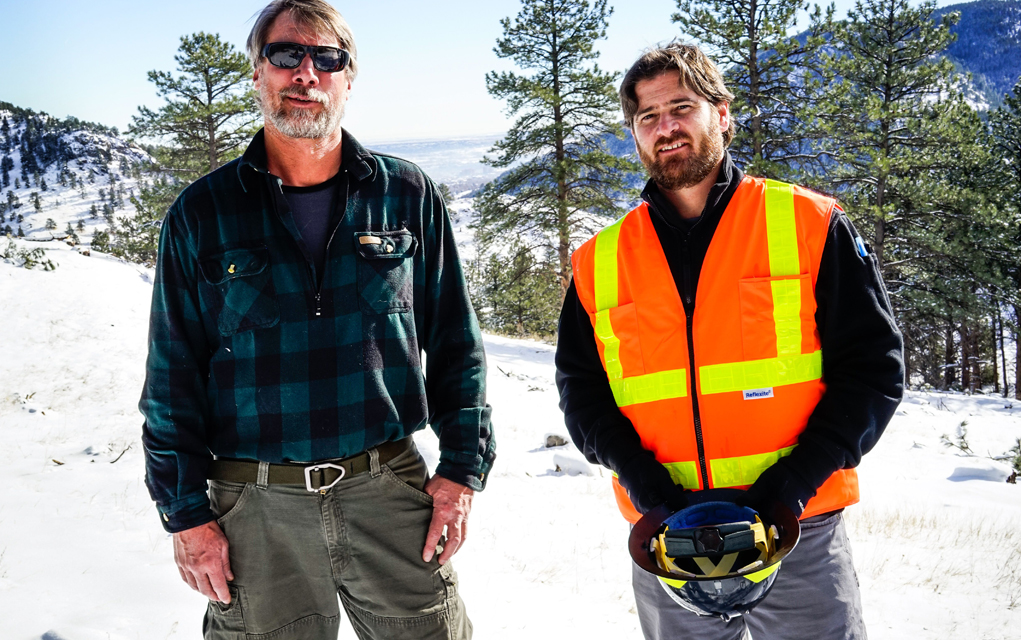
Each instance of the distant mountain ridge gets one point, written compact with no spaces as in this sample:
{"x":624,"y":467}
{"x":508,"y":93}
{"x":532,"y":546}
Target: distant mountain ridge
{"x":988,"y":45}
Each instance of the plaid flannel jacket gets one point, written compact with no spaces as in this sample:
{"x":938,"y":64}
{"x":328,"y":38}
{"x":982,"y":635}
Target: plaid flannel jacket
{"x":250,"y":358}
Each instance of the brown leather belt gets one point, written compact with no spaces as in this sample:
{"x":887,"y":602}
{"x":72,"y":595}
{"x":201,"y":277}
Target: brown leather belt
{"x":318,"y":476}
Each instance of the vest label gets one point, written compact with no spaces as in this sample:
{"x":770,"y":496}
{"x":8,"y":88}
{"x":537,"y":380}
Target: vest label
{"x":758,"y":394}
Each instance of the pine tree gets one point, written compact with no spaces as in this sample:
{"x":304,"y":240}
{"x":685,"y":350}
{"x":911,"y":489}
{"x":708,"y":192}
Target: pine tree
{"x":749,"y":41}
{"x":136,"y":238}
{"x":904,"y":159}
{"x":564,"y":178}
{"x":517,"y":294}
{"x":1005,"y":139}
{"x":210,"y":107}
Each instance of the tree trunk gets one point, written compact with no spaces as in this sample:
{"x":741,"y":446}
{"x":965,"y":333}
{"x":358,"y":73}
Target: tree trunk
{"x":996,"y":366}
{"x":211,"y":128}
{"x":1017,"y":353}
{"x":948,"y":359}
{"x":965,"y":357}
{"x":563,"y":229}
{"x":976,"y":361}
{"x":753,"y":88}
{"x":1003,"y":353}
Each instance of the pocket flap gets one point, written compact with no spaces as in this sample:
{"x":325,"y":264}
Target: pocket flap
{"x":235,"y":263}
{"x":379,"y":245}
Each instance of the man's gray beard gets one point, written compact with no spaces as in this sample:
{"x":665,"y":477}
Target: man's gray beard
{"x":680,"y":173}
{"x":299,"y":123}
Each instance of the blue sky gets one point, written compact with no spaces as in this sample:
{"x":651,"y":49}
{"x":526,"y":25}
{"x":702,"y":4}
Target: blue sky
{"x":422,"y":74}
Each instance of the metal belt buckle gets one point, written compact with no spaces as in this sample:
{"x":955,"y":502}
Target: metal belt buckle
{"x":319,"y":467}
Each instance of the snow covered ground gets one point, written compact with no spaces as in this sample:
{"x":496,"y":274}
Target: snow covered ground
{"x":83,"y":556}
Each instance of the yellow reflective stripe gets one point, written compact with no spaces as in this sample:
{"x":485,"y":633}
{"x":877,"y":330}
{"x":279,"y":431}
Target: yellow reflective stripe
{"x":650,"y":387}
{"x":787,"y":316}
{"x":781,"y":230}
{"x":782,"y":246}
{"x":611,"y":346}
{"x":782,"y":241}
{"x":676,"y":584}
{"x":605,"y":259}
{"x":760,"y":374}
{"x":684,"y":474}
{"x":605,"y":284}
{"x":759,"y":576}
{"x":741,"y":471}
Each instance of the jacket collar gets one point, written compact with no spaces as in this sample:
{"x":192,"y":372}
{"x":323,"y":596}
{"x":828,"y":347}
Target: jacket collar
{"x":358,"y":161}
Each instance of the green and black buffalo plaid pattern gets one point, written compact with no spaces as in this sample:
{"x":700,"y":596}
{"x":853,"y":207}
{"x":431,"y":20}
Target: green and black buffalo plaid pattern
{"x":250,"y":357}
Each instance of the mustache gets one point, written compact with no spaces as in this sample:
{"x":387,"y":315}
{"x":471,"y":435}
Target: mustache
{"x":666,"y":142}
{"x":306,"y":94}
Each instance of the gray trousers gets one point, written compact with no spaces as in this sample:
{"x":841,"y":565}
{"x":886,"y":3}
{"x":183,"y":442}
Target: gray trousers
{"x":294,"y":552}
{"x":815,"y":597}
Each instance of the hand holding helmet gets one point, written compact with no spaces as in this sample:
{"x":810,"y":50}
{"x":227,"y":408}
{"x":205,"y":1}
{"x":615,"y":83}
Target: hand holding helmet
{"x":777,"y":485}
{"x":649,"y":484}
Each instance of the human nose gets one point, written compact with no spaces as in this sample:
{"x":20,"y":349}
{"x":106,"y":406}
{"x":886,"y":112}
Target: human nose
{"x":305,"y":72}
{"x":667,"y":125}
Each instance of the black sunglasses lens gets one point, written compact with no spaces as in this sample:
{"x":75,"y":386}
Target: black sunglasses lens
{"x":330,"y":59}
{"x":285,"y":56}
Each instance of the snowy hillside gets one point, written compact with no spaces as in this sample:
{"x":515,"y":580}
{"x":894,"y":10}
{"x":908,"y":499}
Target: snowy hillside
{"x":61,"y":173}
{"x":936,"y":539}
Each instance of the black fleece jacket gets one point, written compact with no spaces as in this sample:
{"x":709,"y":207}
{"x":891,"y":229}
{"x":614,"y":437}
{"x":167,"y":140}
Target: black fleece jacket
{"x":862,"y":353}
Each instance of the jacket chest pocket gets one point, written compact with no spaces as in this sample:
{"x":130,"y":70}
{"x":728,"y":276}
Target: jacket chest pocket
{"x":242,"y":284}
{"x":776,"y":316}
{"x":385,"y":270}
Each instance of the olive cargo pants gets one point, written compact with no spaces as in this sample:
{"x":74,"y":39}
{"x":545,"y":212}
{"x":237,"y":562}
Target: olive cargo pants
{"x":294,"y":552}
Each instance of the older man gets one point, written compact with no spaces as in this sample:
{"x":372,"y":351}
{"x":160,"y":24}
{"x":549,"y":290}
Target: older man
{"x":296,"y":290}
{"x":729,"y":332}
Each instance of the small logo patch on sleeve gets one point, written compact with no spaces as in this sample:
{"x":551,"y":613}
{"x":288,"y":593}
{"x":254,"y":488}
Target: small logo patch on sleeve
{"x":758,"y":394}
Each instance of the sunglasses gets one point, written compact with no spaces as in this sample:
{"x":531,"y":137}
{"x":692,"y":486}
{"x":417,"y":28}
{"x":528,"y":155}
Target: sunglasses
{"x":288,"y":55}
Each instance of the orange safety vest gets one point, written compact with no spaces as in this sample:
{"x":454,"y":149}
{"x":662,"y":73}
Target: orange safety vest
{"x":756,"y":346}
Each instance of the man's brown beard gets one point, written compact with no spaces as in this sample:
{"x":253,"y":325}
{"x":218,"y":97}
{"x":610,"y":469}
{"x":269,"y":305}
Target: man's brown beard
{"x":682,"y":172}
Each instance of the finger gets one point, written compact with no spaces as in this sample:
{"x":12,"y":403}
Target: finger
{"x":432,"y":538}
{"x":218,"y":581}
{"x":206,"y":588}
{"x":225,"y":562}
{"x":455,"y":536}
{"x":190,"y":579}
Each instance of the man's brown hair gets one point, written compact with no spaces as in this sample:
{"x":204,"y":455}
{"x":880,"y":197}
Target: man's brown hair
{"x":318,"y":16}
{"x":698,"y":73}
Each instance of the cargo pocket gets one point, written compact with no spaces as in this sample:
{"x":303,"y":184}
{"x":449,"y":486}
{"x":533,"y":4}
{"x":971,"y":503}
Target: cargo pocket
{"x":776,"y":313}
{"x":243,"y":285}
{"x":385,"y":270}
{"x":225,"y":621}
